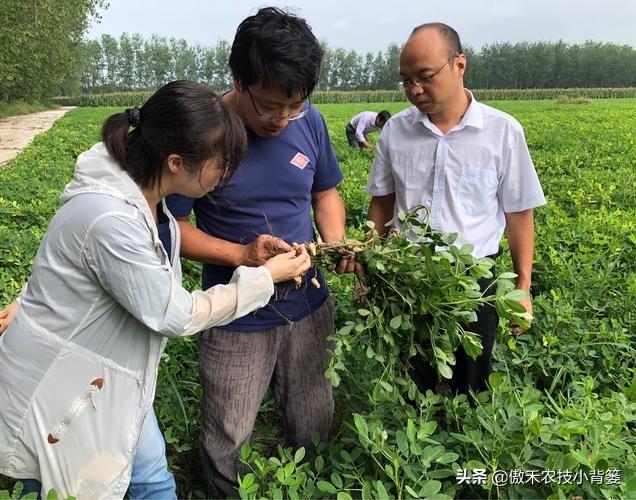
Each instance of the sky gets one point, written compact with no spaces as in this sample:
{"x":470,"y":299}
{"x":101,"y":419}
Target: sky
{"x":372,"y":25}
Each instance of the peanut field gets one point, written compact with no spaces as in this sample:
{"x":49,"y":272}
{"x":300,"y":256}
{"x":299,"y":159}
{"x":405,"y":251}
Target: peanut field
{"x":560,"y":416}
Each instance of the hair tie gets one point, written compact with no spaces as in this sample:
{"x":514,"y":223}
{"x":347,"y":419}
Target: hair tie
{"x":134,"y":116}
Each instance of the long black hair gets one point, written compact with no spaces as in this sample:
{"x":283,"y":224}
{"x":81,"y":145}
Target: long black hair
{"x":182,"y":118}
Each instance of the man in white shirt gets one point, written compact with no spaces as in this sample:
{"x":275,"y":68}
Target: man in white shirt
{"x":469,"y":164}
{"x":363,"y":123}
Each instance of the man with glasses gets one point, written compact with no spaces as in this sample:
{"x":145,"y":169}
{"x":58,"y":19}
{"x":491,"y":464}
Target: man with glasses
{"x":469,"y":165}
{"x":289,"y":168}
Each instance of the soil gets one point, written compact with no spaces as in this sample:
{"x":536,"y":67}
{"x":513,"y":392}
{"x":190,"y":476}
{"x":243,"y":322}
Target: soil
{"x":16,"y":132}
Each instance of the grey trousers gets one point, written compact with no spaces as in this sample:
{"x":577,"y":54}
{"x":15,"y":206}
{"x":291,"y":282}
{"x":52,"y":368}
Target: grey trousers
{"x":236,"y":369}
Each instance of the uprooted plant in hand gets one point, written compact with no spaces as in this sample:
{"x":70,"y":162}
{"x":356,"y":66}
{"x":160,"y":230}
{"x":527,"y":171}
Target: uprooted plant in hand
{"x":423,"y":293}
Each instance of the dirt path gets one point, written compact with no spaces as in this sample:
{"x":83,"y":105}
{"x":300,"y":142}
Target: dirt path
{"x":16,"y":132}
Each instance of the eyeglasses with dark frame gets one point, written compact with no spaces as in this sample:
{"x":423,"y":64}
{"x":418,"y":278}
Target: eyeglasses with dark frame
{"x":267,"y":117}
{"x":408,"y":83}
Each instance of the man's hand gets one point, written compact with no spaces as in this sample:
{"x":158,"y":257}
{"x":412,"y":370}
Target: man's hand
{"x":7,"y":315}
{"x":527,"y":303}
{"x":360,"y":292}
{"x":350,"y":266}
{"x":520,"y":232}
{"x":262,"y":249}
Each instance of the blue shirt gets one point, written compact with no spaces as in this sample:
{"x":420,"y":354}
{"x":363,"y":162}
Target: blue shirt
{"x":270,"y":193}
{"x":163,"y":228}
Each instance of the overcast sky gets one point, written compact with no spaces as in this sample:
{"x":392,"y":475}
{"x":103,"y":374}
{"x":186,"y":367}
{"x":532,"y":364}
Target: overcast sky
{"x":373,"y":25}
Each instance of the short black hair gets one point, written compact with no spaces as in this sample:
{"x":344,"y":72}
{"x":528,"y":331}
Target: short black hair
{"x":383,"y":116}
{"x":278,"y":49}
{"x":449,"y":34}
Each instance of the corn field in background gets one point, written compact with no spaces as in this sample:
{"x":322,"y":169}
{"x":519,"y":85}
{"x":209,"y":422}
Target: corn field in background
{"x":369,"y":96}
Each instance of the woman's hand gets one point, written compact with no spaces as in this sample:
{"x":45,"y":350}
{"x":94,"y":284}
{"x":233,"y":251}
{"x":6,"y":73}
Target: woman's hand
{"x":7,"y":315}
{"x":286,"y":265}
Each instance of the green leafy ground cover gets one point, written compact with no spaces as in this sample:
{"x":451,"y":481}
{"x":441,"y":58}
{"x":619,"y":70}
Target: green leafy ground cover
{"x":15,"y":108}
{"x":563,"y":397}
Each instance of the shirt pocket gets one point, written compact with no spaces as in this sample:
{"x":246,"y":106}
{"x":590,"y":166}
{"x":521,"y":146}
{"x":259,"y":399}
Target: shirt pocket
{"x":416,"y":181}
{"x":477,"y":190}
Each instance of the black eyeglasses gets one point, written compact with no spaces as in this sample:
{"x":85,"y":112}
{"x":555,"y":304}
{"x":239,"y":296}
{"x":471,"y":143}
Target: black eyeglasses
{"x":408,"y":83}
{"x":267,"y":117}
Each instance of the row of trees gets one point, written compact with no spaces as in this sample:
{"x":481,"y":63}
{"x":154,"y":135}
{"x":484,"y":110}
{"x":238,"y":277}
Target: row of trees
{"x":134,"y":63}
{"x":552,"y":65}
{"x":41,"y":42}
{"x":43,"y":54}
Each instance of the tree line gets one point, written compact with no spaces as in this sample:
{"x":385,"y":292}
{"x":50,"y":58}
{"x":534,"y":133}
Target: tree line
{"x":43,"y":53}
{"x":134,"y":63}
{"x":41,"y":42}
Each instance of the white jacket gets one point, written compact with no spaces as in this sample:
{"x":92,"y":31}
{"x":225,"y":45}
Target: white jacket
{"x":78,"y":365}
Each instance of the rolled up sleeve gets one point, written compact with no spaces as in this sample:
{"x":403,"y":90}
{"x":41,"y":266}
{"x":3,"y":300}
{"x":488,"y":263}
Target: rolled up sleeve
{"x":121,"y":254}
{"x":360,"y":130}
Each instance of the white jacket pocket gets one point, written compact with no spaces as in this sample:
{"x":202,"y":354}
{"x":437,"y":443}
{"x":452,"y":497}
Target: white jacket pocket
{"x":79,"y":425}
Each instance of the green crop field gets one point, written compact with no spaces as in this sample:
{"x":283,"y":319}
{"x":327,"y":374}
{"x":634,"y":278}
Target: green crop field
{"x":559,"y":420}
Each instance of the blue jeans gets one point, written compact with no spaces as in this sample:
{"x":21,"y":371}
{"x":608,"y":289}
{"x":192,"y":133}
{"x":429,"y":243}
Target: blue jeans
{"x":150,"y":475}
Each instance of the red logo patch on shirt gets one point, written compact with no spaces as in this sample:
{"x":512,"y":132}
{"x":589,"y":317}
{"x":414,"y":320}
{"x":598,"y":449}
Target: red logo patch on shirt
{"x":300,"y":161}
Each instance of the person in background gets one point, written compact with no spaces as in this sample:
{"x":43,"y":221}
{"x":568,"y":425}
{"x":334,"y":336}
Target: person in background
{"x":469,"y":165}
{"x":80,"y":348}
{"x":363,"y":123}
{"x":289,"y":170}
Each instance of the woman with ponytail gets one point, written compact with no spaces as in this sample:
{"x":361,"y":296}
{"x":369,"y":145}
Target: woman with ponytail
{"x":78,"y":363}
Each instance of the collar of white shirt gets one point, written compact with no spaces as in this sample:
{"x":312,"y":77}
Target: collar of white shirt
{"x":472,"y":118}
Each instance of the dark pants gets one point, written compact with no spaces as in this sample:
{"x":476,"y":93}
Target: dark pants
{"x":351,"y":137}
{"x":236,"y":368}
{"x":467,"y":373}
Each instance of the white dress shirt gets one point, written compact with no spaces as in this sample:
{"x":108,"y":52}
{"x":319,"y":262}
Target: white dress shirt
{"x":468,"y":178}
{"x":363,"y":123}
